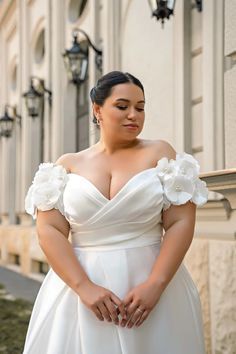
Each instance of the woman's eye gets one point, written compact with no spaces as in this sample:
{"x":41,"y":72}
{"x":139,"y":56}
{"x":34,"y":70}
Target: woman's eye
{"x":125,"y":107}
{"x":122,"y":107}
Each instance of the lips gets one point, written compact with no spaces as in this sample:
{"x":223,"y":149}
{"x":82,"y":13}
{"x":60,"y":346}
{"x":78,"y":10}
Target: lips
{"x":131,"y":125}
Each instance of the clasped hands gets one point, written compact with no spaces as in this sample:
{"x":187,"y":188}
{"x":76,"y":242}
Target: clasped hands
{"x":132,"y":310}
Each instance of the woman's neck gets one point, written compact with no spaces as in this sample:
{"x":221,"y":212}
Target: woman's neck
{"x":109,"y":146}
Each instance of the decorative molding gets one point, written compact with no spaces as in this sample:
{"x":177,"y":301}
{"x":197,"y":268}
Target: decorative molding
{"x":39,"y":26}
{"x":196,"y":101}
{"x":196,"y":52}
{"x":30,"y":2}
{"x":213,"y":85}
{"x":214,"y":209}
{"x":11,"y":30}
{"x":4,"y":9}
{"x":223,"y":182}
{"x":229,"y":61}
{"x":182,"y":75}
{"x":197,"y":149}
{"x":112,"y":35}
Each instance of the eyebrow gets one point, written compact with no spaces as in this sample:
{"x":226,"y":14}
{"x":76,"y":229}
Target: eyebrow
{"x":125,"y":100}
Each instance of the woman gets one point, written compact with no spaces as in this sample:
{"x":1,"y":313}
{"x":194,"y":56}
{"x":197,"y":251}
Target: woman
{"x":119,"y":286}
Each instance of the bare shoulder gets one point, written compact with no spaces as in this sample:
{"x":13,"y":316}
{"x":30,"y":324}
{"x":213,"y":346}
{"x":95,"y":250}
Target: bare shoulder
{"x":65,"y":160}
{"x":162,"y":148}
{"x":69,"y":160}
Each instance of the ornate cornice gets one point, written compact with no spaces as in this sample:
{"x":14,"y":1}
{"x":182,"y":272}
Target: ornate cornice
{"x":223,"y":182}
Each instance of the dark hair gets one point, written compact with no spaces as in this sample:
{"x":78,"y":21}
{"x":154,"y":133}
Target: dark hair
{"x":102,"y":90}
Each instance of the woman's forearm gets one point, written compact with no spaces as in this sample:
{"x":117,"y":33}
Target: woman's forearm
{"x":176,"y":242}
{"x":61,"y":257}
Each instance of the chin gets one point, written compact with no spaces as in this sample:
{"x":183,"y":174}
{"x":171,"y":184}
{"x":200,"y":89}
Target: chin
{"x":131,"y":136}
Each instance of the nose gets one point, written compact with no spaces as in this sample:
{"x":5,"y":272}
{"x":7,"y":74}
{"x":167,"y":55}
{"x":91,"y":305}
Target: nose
{"x":132,"y":113}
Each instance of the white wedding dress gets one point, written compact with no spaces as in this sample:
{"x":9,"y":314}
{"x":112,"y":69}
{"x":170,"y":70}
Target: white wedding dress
{"x":117,"y":242}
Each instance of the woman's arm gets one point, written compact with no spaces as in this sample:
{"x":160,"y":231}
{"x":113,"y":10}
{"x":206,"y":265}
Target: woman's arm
{"x":53,"y":232}
{"x":178,"y":223}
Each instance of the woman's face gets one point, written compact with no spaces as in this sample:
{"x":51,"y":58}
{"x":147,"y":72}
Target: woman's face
{"x":122,"y":113}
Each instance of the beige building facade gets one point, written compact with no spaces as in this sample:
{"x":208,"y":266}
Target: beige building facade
{"x":188,"y":69}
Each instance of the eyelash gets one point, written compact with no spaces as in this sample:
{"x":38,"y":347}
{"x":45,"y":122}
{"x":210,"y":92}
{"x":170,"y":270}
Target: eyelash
{"x":123,"y":108}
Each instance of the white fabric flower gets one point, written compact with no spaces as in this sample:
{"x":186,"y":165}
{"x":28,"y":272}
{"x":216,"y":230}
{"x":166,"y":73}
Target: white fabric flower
{"x":164,"y":168}
{"x":180,"y":181}
{"x":187,"y":165}
{"x":200,"y":194}
{"x":178,"y":189}
{"x":47,"y":188}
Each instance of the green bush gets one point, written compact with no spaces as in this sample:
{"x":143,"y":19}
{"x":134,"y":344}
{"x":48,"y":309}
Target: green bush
{"x":14,"y":319}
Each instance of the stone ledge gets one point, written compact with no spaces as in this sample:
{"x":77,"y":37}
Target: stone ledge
{"x":219,"y":208}
{"x":223,"y":182}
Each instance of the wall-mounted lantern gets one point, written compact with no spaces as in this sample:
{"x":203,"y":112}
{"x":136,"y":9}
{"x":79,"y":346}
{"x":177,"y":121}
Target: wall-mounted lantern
{"x":35,"y":95}
{"x":163,"y":9}
{"x":76,"y":58}
{"x":198,"y":5}
{"x":7,"y":121}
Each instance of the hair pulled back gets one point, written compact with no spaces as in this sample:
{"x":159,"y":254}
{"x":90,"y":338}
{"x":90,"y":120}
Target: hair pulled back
{"x":102,"y":90}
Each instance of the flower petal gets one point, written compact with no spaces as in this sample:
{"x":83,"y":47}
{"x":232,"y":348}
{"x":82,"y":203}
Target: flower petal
{"x":200,"y":195}
{"x":47,"y":188}
{"x":180,"y":180}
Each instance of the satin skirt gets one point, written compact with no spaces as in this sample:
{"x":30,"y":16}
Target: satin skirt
{"x":61,"y":324}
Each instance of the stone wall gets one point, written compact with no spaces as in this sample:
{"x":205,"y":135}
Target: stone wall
{"x":20,"y":251}
{"x":212,"y":264}
{"x":197,"y":262}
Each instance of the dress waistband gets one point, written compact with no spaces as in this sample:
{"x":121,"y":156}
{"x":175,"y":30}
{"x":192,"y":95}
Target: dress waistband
{"x":115,"y":239}
{"x":115,"y":247}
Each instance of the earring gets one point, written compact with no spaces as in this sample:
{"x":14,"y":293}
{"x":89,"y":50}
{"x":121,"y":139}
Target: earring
{"x":97,"y":121}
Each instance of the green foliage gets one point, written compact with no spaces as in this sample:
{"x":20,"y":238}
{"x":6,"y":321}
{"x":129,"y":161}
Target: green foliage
{"x":14,"y":319}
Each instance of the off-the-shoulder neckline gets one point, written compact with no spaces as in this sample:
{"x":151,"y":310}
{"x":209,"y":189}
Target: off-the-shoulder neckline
{"x":130,"y":180}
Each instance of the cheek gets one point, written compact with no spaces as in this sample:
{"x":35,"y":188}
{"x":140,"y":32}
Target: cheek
{"x":142,"y":117}
{"x":116,"y":115}
{"x":113,"y":120}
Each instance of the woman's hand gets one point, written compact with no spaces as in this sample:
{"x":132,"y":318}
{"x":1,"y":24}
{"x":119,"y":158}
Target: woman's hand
{"x":103,"y":302}
{"x":139,"y":302}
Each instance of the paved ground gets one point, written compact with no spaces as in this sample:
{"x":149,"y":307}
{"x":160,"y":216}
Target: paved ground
{"x":18,"y":285}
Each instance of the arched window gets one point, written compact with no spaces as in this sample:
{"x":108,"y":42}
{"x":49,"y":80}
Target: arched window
{"x":76,"y":9}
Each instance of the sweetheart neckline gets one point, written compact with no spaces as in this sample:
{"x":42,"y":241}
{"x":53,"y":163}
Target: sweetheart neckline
{"x":122,"y":188}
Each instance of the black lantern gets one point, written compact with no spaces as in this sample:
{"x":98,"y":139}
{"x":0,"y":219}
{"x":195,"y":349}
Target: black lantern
{"x":34,"y":97}
{"x":198,"y":5}
{"x":76,"y":58}
{"x":33,"y":100}
{"x":162,"y":9}
{"x":7,"y":122}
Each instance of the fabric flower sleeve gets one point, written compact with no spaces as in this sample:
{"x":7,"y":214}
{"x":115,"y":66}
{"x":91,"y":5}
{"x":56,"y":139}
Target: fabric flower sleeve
{"x":181,"y":182}
{"x":46,"y":191}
